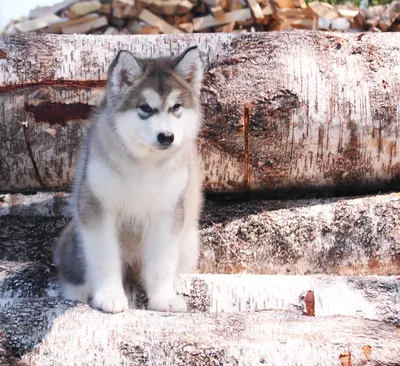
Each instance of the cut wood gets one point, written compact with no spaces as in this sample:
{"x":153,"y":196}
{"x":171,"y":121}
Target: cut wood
{"x":348,"y":13}
{"x":72,"y":22}
{"x":209,"y":21}
{"x":256,"y":11}
{"x":39,"y":331}
{"x":83,"y":8}
{"x":148,"y":29}
{"x":42,"y":11}
{"x":374,"y":298}
{"x":262,"y":128}
{"x":184,"y":7}
{"x":391,"y":13}
{"x":283,"y":3}
{"x":324,"y":10}
{"x":38,"y":23}
{"x":337,"y":236}
{"x":85,"y":27}
{"x":267,"y":10}
{"x":187,"y":27}
{"x":217,"y":11}
{"x":156,"y":21}
{"x":227,"y":28}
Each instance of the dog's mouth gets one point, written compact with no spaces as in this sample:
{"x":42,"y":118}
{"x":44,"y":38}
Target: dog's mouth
{"x":154,"y":148}
{"x":163,"y":147}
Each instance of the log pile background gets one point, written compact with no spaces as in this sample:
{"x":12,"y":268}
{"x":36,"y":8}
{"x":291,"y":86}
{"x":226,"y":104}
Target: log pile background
{"x":122,"y":17}
{"x":305,"y":282}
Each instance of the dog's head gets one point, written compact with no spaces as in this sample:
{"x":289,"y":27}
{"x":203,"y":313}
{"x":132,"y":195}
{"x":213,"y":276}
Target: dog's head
{"x":155,"y":102}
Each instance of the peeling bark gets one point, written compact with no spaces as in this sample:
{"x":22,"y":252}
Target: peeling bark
{"x":283,"y":110}
{"x":353,"y":236}
{"x":61,"y":333}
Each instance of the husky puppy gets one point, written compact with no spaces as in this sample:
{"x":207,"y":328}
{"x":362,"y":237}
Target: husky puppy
{"x":137,"y":189}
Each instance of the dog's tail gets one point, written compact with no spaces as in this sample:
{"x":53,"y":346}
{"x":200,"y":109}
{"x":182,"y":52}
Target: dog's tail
{"x":66,"y":236}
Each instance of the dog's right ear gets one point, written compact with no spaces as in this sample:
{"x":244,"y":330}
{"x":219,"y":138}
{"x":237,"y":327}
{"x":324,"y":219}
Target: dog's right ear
{"x":123,"y":72}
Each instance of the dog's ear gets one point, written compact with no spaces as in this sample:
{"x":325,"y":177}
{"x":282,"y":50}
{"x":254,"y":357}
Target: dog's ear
{"x":123,"y":72}
{"x":189,"y":66}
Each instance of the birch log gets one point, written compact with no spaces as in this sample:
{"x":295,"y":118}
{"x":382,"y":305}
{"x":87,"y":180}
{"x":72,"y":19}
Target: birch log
{"x":350,"y":236}
{"x":283,"y":110}
{"x":59,"y":333}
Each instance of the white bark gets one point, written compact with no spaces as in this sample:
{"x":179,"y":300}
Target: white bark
{"x":65,"y":335}
{"x":283,"y":110}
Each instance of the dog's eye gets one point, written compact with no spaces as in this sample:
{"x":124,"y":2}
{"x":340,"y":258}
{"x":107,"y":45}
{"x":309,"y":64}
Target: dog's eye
{"x":146,"y":108}
{"x":176,"y":107}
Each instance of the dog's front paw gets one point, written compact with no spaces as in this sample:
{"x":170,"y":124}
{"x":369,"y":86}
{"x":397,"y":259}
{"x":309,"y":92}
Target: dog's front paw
{"x":173,"y":303}
{"x":110,"y":301}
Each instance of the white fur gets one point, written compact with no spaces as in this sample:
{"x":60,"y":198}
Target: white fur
{"x":144,"y":192}
{"x":148,"y":196}
{"x":140,"y":136}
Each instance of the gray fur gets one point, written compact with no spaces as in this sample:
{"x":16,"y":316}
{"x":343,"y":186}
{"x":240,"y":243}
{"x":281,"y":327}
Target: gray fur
{"x":68,"y":256}
{"x":103,"y":142}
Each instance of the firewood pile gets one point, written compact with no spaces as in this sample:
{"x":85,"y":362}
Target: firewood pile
{"x":116,"y":17}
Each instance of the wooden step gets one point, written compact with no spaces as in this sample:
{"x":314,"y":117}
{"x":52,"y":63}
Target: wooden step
{"x":49,"y":331}
{"x":350,"y":236}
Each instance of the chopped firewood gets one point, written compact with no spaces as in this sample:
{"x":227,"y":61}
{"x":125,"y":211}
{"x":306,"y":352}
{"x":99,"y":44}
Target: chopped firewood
{"x":187,"y":27}
{"x":217,"y":12}
{"x":72,"y":22}
{"x":175,"y":16}
{"x":83,"y":8}
{"x":148,"y":29}
{"x":227,"y":28}
{"x":234,"y":5}
{"x":340,"y":24}
{"x":85,"y":27}
{"x":134,"y":26}
{"x":117,"y":22}
{"x":256,"y":11}
{"x":267,"y":11}
{"x":184,"y":7}
{"x":324,"y":23}
{"x":376,"y":30}
{"x":156,"y":21}
{"x":395,"y":27}
{"x":306,"y":23}
{"x":110,"y":31}
{"x":391,"y":13}
{"x":348,"y":13}
{"x":299,"y":4}
{"x":130,"y":12}
{"x":127,"y":2}
{"x":105,"y":9}
{"x":295,"y":13}
{"x":38,"y":23}
{"x":283,"y":3}
{"x":373,"y":21}
{"x":123,"y":32}
{"x":371,"y":14}
{"x":357,"y":22}
{"x":209,"y":21}
{"x":168,"y":6}
{"x":42,"y":11}
{"x":278,"y":25}
{"x":324,"y":10}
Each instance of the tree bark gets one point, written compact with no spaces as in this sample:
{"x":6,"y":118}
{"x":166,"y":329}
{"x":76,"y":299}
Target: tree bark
{"x":282,"y":110}
{"x":354,"y":236}
{"x":54,"y":332}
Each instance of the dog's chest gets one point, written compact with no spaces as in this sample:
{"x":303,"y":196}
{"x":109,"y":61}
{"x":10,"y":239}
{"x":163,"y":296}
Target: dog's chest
{"x":143,"y":191}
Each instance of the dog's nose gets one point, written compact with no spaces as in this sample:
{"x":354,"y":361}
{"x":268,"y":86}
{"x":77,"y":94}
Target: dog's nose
{"x":165,"y":138}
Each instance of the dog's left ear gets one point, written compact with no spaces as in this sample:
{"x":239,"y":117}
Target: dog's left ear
{"x":190,"y":67}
